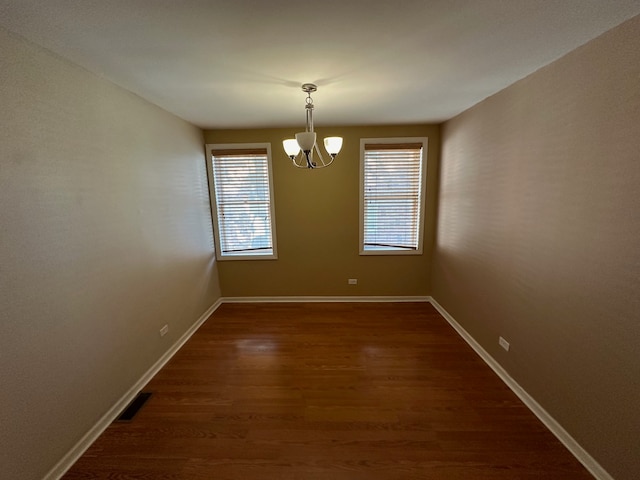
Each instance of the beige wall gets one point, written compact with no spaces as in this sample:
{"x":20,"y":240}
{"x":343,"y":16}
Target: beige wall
{"x":105,"y":236}
{"x":317,"y":215}
{"x":539,"y":239}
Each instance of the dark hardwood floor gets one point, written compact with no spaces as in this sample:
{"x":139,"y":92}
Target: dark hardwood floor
{"x":328,"y":391}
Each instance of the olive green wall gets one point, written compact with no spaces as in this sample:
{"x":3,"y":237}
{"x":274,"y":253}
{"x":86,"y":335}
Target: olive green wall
{"x":317,"y":217}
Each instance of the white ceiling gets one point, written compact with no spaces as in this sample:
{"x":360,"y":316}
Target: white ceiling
{"x":240,"y":63}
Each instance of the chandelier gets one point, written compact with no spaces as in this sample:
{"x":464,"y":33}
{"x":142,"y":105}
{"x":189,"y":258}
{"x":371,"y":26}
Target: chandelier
{"x":301,"y":149}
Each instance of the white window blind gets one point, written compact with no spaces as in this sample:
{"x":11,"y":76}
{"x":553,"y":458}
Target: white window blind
{"x":392,"y":190}
{"x":243,"y":206}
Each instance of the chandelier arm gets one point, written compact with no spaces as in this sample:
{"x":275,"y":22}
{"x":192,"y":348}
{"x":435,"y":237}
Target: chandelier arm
{"x":297,"y":161}
{"x":309,"y":159}
{"x":319,"y":156}
{"x":322,"y":161}
{"x":300,"y":160}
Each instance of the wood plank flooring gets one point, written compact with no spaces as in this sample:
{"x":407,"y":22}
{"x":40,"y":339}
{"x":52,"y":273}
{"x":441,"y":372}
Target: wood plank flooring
{"x":310,"y":391}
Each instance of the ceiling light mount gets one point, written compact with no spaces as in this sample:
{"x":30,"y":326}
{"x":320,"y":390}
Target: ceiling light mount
{"x":305,"y":142}
{"x":309,"y":88}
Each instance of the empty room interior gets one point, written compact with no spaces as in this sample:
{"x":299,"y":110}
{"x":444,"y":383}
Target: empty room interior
{"x":451,"y":292}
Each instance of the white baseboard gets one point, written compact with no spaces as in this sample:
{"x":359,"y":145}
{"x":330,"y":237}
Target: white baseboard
{"x":300,"y":299}
{"x":91,"y":436}
{"x":567,"y":440}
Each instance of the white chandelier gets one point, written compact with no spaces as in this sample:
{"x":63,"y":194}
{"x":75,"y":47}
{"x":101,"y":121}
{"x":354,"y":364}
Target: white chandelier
{"x":305,"y":142}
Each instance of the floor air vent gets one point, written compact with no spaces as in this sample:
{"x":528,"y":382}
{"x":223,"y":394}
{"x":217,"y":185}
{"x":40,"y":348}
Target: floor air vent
{"x":134,"y":407}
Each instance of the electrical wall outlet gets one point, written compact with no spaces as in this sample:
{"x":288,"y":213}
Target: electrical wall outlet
{"x":503,"y":343}
{"x":353,"y":281}
{"x":164,"y":330}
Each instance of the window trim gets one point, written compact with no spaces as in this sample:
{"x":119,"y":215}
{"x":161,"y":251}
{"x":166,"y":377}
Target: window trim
{"x":213,"y":201}
{"x":423,"y":194}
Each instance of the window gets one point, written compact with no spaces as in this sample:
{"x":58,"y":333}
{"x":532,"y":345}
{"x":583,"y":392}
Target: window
{"x":392,"y":195}
{"x":242,"y":201}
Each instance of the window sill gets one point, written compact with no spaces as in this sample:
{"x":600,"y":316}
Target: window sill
{"x":390,"y":252}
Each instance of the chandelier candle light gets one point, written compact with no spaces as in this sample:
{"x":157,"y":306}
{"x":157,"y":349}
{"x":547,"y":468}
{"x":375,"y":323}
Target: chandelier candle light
{"x":305,"y":142}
